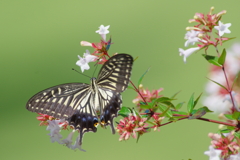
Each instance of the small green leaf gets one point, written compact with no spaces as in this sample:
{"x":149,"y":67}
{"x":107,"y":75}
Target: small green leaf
{"x":218,"y":84}
{"x":179,"y":105}
{"x":236,"y":115}
{"x":199,"y":113}
{"x":175,"y":95}
{"x":190,"y":104}
{"x":124,"y":112}
{"x":141,"y":78}
{"x":212,"y":59}
{"x":165,"y":111}
{"x":138,"y":136}
{"x":145,"y":106}
{"x":180,"y":113}
{"x":228,"y":39}
{"x":236,"y":134}
{"x":142,"y":103}
{"x":221,"y":59}
{"x":175,"y":119}
{"x":168,"y":104}
{"x":151,"y":123}
{"x":229,"y":116}
{"x":163,"y":99}
{"x":231,"y":128}
{"x":136,"y":113}
{"x":225,"y":131}
{"x":195,"y":102}
{"x":130,"y":87}
{"x":235,"y":80}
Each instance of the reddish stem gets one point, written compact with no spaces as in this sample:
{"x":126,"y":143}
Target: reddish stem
{"x":203,"y":119}
{"x":218,"y":122}
{"x":138,"y":91}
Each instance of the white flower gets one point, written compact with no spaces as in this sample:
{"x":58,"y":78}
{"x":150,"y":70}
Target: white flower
{"x":216,"y":104}
{"x":85,"y":43}
{"x":188,"y":52}
{"x":228,"y":98}
{"x":235,"y":157}
{"x":236,"y":49}
{"x":192,"y":37}
{"x":214,"y":154}
{"x":83,"y":62}
{"x":223,"y":28}
{"x":77,"y":145}
{"x":103,"y":31}
{"x":56,"y":138}
{"x":68,"y":140}
{"x":54,"y":128}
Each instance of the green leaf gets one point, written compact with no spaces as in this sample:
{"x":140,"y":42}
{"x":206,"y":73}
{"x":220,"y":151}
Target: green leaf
{"x":163,"y":99}
{"x":175,"y":95}
{"x":179,"y":105}
{"x":199,"y":113}
{"x":221,"y":59}
{"x":212,"y":59}
{"x":229,"y":116}
{"x":190,"y":104}
{"x":195,"y":102}
{"x":218,"y":84}
{"x":180,"y":113}
{"x":168,"y":104}
{"x":150,"y":123}
{"x":225,"y":131}
{"x":124,"y":112}
{"x":145,"y":106}
{"x":231,"y":128}
{"x":236,"y":115}
{"x":235,"y":80}
{"x":136,"y":113}
{"x":141,"y":78}
{"x":228,"y":39}
{"x":236,"y":134}
{"x":142,"y":103}
{"x":138,"y":136}
{"x":130,"y":87}
{"x":165,"y":111}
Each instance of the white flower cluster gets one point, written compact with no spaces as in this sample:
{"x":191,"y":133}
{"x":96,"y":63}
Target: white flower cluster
{"x":55,"y":127}
{"x":87,"y":57}
{"x":193,"y":36}
{"x":214,"y":154}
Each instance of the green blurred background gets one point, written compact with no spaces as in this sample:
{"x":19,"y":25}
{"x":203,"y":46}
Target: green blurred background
{"x":39,"y":45}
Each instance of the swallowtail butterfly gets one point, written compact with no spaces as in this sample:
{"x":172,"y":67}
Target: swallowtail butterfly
{"x":84,"y":106}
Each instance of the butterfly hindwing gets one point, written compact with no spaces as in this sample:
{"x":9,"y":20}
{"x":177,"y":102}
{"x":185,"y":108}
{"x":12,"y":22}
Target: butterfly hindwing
{"x":112,"y":104}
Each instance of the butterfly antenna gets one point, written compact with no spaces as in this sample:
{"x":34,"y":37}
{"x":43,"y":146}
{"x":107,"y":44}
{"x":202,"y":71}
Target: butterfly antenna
{"x":95,"y":68}
{"x":81,"y":73}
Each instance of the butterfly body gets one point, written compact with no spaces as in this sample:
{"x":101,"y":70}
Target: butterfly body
{"x":86,"y":105}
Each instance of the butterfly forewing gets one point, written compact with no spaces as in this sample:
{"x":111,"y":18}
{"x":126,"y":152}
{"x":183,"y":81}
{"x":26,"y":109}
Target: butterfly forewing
{"x":59,"y":101}
{"x":115,"y":73}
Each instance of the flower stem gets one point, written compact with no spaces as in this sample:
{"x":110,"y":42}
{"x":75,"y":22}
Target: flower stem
{"x":138,"y":92}
{"x":202,"y":119}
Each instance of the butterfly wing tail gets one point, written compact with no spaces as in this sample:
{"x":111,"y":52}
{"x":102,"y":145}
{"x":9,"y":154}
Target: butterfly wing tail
{"x":111,"y":111}
{"x":84,"y":123}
